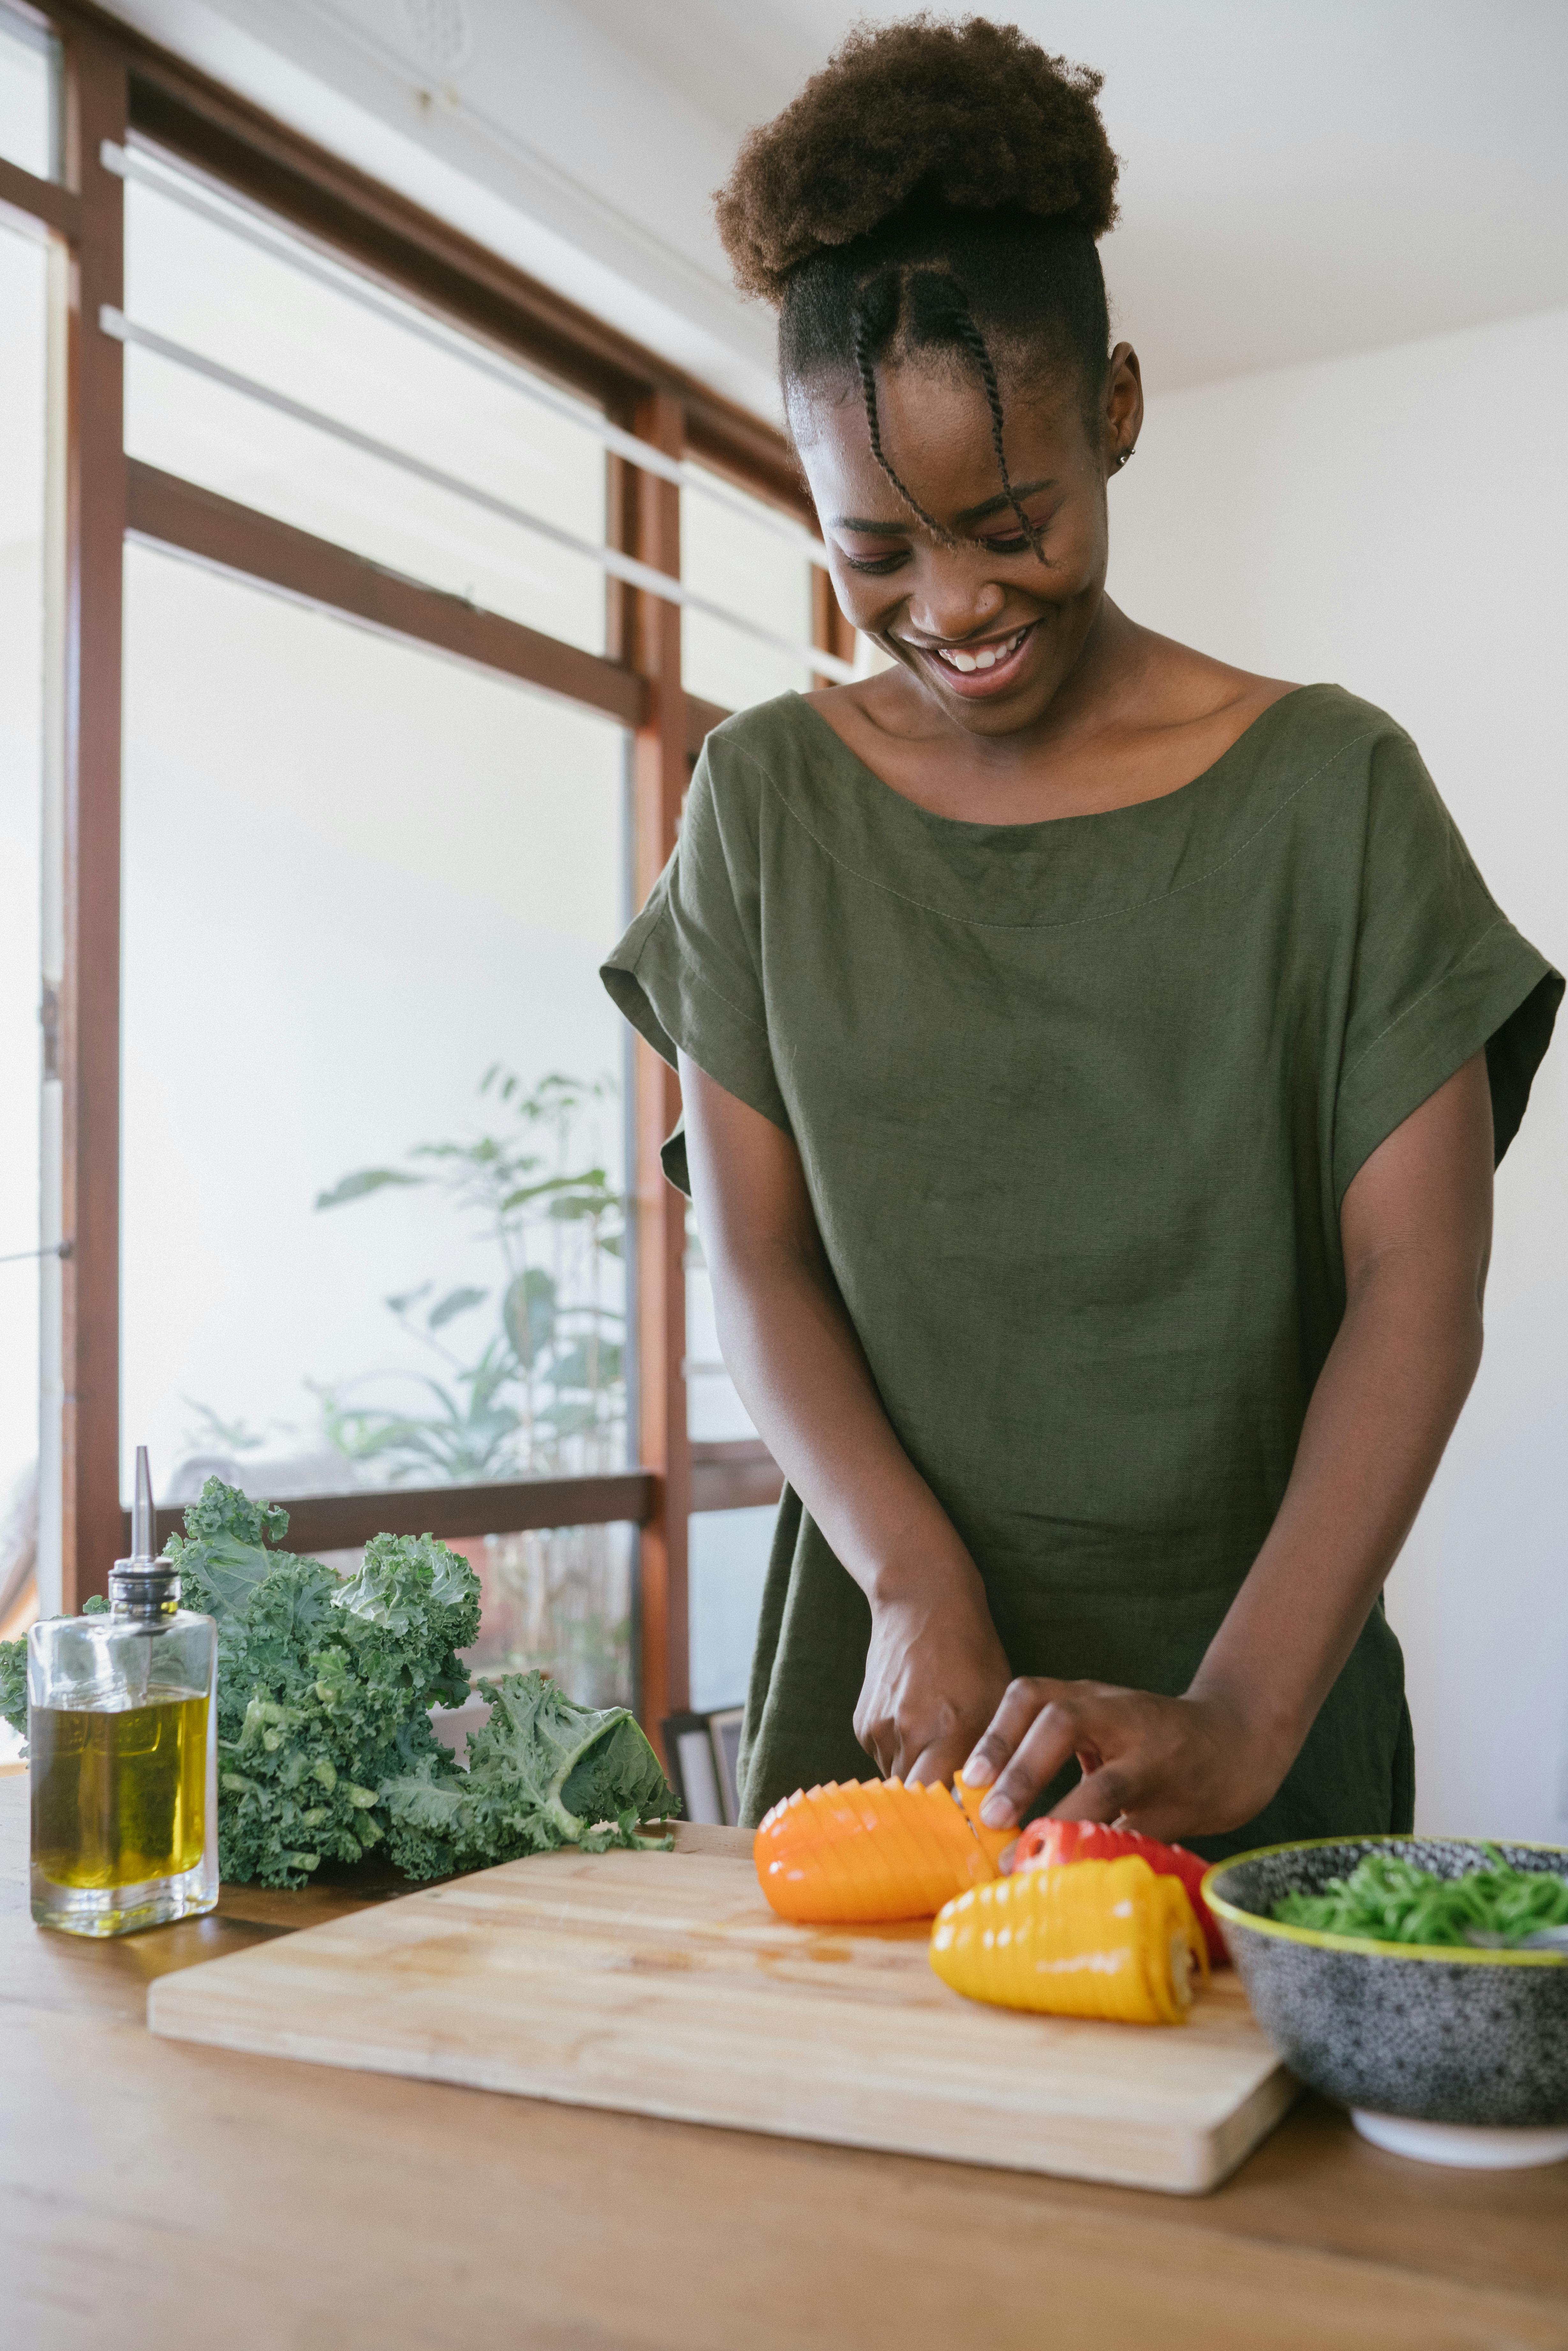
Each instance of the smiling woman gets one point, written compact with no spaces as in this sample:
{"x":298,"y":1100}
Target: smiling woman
{"x":1094,"y":1055}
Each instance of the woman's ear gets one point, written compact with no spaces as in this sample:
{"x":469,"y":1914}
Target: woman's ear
{"x":1124,"y":406}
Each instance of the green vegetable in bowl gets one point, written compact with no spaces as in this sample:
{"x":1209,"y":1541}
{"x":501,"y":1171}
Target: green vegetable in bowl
{"x":1388,"y":1900}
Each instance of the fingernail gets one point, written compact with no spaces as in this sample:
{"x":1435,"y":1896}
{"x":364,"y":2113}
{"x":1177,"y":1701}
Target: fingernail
{"x":978,"y":1773}
{"x":996,"y":1813}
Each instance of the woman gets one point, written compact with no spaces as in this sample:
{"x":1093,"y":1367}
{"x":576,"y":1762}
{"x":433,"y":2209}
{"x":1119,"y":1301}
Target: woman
{"x":1095,"y":1057}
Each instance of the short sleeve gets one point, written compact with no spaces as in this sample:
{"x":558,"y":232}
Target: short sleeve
{"x":688,"y":973}
{"x":1440,"y":972}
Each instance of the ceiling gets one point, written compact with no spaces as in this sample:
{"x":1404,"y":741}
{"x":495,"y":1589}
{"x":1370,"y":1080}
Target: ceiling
{"x":1302,"y":178}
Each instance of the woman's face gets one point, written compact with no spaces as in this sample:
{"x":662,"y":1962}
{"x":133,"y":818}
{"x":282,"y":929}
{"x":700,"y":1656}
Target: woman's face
{"x":989,"y":629}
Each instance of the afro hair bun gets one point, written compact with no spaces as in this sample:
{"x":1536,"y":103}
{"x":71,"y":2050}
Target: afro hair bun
{"x":971,"y":115}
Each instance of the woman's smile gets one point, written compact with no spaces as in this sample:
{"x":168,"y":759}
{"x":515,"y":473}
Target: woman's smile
{"x":979,"y":666}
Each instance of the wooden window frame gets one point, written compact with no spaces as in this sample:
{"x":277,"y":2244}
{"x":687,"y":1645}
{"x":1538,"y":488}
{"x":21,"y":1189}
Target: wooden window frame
{"x":117,"y":82}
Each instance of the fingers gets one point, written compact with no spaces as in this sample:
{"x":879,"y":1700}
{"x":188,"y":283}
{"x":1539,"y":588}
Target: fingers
{"x":914,"y":1753}
{"x":880,"y":1740}
{"x":1037,"y":1728}
{"x":1046,"y":1746}
{"x":939,"y":1760}
{"x":1022,"y":1701}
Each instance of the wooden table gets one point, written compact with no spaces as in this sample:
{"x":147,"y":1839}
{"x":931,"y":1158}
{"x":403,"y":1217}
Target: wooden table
{"x":156,"y":2194}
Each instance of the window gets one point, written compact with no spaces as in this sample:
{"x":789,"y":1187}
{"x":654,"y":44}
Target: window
{"x":742,"y":554}
{"x":24,"y":307}
{"x":29,"y":95}
{"x":558,"y":1598}
{"x":372,"y":1094}
{"x":727,"y":1568}
{"x":728,"y":1548}
{"x":269,"y":372}
{"x":364,"y":781}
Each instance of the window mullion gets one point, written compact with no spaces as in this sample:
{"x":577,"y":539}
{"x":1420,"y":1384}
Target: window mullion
{"x":86,"y":1374}
{"x":660,"y":771}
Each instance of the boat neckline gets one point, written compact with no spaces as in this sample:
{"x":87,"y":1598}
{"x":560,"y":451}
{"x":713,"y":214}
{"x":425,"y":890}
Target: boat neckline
{"x":1083,"y":816}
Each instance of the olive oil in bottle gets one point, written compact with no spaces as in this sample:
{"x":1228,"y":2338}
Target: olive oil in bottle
{"x":122,"y":1727}
{"x":119,"y":1794}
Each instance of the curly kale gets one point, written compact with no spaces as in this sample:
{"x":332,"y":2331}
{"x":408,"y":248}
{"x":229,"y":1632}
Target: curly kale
{"x":543,"y":1772}
{"x":14,"y":1686}
{"x":325,"y":1686}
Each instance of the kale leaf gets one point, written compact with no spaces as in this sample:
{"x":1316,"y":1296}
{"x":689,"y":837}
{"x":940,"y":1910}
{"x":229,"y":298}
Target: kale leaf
{"x":617,"y":1772}
{"x":542,"y":1772}
{"x":14,"y":1686}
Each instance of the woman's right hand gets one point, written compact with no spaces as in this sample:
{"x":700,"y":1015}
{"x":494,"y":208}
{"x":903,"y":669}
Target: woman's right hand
{"x":934,"y":1676}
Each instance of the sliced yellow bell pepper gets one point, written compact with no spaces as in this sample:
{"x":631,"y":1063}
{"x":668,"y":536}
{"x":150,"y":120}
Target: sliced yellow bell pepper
{"x":1107,"y":1939}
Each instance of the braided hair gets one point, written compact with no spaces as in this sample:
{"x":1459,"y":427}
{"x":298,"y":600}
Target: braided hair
{"x":868,"y":337}
{"x":935,"y":187}
{"x":939,"y":315}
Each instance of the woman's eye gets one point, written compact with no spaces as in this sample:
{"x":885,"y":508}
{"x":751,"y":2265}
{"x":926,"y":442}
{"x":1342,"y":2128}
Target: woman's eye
{"x":877,"y":562}
{"x":1011,"y":543}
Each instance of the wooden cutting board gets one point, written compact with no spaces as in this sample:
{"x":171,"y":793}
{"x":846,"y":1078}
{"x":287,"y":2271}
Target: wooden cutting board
{"x":662,"y":1984}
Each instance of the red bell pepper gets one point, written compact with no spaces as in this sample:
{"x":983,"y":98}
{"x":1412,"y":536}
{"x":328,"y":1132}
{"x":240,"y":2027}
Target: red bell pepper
{"x":1048,"y":1844}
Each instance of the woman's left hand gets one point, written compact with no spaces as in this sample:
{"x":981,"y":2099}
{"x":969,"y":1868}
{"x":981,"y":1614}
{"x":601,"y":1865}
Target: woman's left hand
{"x":1171,"y":1767}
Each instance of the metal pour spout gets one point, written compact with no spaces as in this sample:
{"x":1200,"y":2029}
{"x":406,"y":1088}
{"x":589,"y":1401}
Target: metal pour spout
{"x":143,"y":1520}
{"x":144,"y":1585}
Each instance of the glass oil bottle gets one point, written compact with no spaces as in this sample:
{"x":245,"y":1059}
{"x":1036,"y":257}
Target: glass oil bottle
{"x":123,"y":1737}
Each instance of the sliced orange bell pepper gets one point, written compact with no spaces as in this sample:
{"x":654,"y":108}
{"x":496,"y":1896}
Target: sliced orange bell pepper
{"x":871,"y":1851}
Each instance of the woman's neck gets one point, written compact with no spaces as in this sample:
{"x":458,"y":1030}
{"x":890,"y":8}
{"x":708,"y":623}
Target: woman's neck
{"x":1137,"y":717}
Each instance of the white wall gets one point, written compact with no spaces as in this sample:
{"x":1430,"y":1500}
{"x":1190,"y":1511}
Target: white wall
{"x":1299,"y":178}
{"x":1396,"y":523}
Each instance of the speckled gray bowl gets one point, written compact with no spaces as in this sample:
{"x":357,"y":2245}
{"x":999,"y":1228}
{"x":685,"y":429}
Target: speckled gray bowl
{"x":1434,"y":2034}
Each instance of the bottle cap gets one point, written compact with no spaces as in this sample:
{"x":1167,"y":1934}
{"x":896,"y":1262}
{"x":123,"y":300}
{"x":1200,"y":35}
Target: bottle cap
{"x":142,"y":1585}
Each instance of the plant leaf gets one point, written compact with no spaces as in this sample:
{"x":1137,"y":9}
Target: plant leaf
{"x":549,"y":1185}
{"x":456,"y":1301}
{"x":527,"y":1314}
{"x":366,"y":1180}
{"x":407,"y":1297}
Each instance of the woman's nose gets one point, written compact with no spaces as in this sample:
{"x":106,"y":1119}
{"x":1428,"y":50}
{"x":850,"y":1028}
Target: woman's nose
{"x":951,"y":606}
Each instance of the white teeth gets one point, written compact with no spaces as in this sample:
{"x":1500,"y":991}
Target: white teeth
{"x":985,"y":659}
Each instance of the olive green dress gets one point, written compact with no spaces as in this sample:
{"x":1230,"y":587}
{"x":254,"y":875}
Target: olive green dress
{"x":1078,"y":1103}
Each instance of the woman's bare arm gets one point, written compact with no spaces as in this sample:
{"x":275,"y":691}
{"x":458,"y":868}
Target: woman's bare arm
{"x":937,"y":1670}
{"x":1416,"y":1230}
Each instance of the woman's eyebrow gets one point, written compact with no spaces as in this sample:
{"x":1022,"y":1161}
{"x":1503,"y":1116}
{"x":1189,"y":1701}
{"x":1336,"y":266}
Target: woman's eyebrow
{"x":860,"y":522}
{"x":900,"y":529}
{"x":1001,"y":503}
